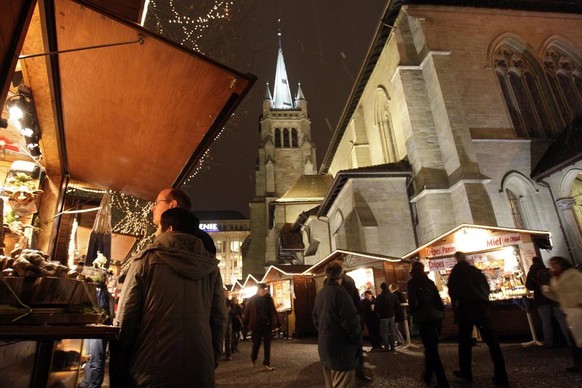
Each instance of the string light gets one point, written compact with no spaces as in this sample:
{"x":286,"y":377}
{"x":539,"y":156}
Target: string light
{"x":191,"y":28}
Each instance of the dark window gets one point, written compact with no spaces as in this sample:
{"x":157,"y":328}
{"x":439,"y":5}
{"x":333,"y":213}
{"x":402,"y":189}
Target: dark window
{"x":294,"y":141}
{"x":515,"y":209}
{"x":277,"y":138}
{"x":285,"y":138}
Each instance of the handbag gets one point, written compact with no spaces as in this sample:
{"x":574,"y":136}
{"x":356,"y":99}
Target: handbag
{"x":574,"y":321}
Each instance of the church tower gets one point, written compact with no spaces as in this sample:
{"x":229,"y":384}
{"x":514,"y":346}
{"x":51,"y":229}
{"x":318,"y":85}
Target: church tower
{"x":285,"y":154}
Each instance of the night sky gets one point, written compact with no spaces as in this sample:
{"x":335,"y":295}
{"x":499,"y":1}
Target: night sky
{"x":324,"y":43}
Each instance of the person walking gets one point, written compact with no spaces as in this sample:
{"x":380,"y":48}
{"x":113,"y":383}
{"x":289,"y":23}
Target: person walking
{"x":426,"y":308}
{"x":171,"y":312}
{"x":228,"y":332}
{"x":371,"y":319}
{"x":386,"y":304}
{"x":261,"y":319}
{"x":398,"y":313}
{"x":566,"y":288}
{"x":236,"y":317}
{"x":537,"y":277}
{"x":339,"y":340}
{"x":469,"y":292}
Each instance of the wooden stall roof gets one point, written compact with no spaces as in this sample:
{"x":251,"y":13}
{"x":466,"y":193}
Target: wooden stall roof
{"x":237,"y":286}
{"x":250,"y":281}
{"x":543,"y":237}
{"x":135,"y":117}
{"x":275,"y":272}
{"x":352,"y":259}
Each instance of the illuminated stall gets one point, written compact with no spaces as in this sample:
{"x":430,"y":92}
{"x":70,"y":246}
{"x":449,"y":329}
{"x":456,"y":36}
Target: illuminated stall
{"x":249,"y":287}
{"x":503,"y":254}
{"x":294,"y":294}
{"x":368,"y":270}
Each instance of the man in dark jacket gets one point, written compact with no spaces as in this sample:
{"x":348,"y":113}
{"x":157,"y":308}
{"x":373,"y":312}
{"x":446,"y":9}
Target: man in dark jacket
{"x":261,"y":319}
{"x":172,"y":312}
{"x":340,"y":336}
{"x":537,"y":276}
{"x":386,"y":305}
{"x":469,"y":292}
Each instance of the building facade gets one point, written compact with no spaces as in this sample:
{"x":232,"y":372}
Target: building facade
{"x":286,"y":153}
{"x":229,"y":230}
{"x":453,"y":120}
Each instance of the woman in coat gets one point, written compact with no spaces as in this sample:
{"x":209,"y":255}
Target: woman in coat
{"x":426,"y":308}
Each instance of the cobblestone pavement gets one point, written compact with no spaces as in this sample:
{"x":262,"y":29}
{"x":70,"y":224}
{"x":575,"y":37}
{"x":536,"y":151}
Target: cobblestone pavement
{"x":297,"y":365}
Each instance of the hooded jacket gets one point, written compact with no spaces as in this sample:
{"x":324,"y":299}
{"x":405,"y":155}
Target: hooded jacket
{"x":172,"y":314}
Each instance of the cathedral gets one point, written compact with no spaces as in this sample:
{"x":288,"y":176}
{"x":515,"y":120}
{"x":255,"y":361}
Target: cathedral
{"x":286,"y":177}
{"x":464,"y":113}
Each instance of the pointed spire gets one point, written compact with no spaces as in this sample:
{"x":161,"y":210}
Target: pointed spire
{"x":268,"y":93}
{"x":282,"y":92}
{"x":300,"y":95}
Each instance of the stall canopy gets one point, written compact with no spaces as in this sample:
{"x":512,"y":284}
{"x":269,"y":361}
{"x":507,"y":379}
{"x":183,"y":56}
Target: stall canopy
{"x":351,"y":259}
{"x":474,"y":238}
{"x":276,"y":272}
{"x":133,"y":117}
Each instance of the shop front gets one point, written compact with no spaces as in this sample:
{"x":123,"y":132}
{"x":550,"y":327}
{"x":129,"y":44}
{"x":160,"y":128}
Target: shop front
{"x":503,"y":254}
{"x":103,"y":119}
{"x":293,"y":294}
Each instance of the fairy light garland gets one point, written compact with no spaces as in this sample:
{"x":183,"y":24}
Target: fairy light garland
{"x":191,"y":28}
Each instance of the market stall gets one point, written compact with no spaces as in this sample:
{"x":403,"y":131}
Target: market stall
{"x":294,"y":294}
{"x":103,"y":104}
{"x":368,"y":270}
{"x":503,"y":254}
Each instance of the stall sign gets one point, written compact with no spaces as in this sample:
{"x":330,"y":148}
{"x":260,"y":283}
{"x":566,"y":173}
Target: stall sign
{"x":441,"y":264}
{"x":441,"y":250}
{"x":489,"y":243}
{"x":504,"y":240}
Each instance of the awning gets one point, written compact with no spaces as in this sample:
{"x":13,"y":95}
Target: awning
{"x":477,"y":238}
{"x":352,"y":259}
{"x":136,"y":117}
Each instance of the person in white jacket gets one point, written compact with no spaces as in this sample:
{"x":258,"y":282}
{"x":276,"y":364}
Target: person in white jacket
{"x":566,"y":288}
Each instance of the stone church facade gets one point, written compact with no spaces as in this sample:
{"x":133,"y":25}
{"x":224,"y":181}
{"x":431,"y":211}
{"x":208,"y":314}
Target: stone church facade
{"x":460,"y":115}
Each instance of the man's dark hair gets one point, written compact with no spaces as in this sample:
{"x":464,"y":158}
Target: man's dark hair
{"x":384,"y":286}
{"x":181,"y":198}
{"x":368,"y":292}
{"x":181,"y":220}
{"x":334,"y":271}
{"x":562,"y":262}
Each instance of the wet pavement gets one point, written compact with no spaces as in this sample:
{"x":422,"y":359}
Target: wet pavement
{"x":297,"y":365}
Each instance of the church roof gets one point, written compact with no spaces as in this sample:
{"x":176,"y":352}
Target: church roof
{"x":308,"y":187}
{"x":564,"y":151}
{"x":389,"y":170}
{"x":282,"y":93}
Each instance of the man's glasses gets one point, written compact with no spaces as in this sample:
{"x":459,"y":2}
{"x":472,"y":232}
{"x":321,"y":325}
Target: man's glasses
{"x":157,"y":201}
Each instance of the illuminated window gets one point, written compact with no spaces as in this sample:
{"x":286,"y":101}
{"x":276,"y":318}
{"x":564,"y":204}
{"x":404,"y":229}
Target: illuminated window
{"x":235,"y":246}
{"x":219,"y":246}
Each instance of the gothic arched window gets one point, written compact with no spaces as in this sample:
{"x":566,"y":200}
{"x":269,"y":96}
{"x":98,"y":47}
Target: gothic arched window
{"x":523,"y":85}
{"x":285,"y":138}
{"x":384,"y":125}
{"x":277,"y":137}
{"x":565,"y":79}
{"x":515,"y":209}
{"x":294,"y":140}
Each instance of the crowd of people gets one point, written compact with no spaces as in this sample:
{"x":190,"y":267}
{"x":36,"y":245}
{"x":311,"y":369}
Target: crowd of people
{"x":175,"y":324}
